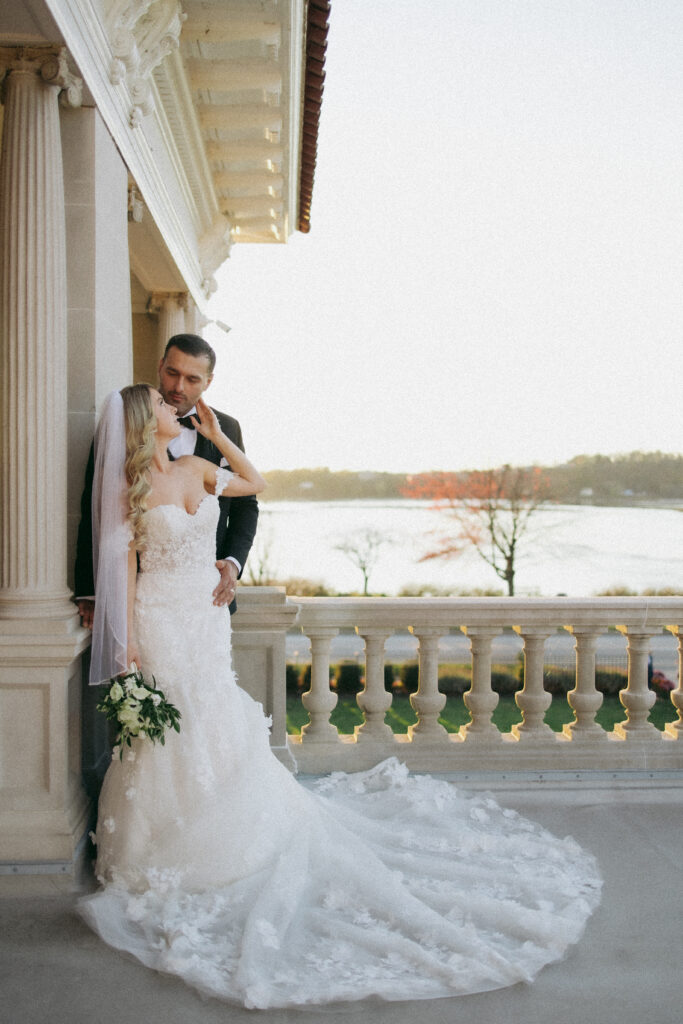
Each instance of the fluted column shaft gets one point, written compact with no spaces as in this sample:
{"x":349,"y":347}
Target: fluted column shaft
{"x":33,"y":355}
{"x":195,"y":322}
{"x":171,"y":310}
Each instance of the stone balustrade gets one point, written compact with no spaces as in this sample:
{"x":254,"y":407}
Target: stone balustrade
{"x":634,"y":746}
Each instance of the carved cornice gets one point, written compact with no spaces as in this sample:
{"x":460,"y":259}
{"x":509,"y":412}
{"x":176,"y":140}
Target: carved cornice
{"x":50,"y":62}
{"x":214,"y":246}
{"x":141,"y":34}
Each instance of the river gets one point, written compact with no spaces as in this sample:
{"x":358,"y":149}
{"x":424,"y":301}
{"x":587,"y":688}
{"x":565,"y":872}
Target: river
{"x":572,"y":550}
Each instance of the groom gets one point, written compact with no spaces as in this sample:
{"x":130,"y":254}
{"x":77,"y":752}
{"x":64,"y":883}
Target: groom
{"x":185,"y":372}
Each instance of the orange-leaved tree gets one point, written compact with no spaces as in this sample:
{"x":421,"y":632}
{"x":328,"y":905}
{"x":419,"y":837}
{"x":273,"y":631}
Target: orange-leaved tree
{"x":491,"y":508}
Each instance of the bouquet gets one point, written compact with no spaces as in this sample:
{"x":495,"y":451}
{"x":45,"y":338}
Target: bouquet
{"x":138,"y":709}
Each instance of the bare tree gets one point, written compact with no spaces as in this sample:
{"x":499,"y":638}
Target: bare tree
{"x":491,"y":508}
{"x":363,"y":548}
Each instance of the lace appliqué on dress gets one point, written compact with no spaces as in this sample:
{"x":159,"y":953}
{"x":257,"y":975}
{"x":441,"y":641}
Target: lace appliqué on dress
{"x":223,"y":477}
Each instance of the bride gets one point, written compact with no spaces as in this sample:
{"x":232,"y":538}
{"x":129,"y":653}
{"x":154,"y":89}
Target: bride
{"x":214,"y":863}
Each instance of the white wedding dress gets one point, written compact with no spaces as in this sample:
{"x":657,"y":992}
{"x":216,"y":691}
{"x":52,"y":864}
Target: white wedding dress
{"x":218,"y":866}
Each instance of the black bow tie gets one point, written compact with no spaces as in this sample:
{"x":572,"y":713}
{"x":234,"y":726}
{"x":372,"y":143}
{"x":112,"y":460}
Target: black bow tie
{"x":186,"y":421}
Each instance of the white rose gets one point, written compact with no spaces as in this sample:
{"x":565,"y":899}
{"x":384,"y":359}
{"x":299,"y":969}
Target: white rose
{"x":116,"y":692}
{"x":140,"y":692}
{"x":129,"y":717}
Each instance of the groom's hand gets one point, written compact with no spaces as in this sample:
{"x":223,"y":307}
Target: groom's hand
{"x":86,"y":608}
{"x":225,"y":591}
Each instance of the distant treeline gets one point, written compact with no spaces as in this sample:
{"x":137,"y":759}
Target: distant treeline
{"x":600,"y":479}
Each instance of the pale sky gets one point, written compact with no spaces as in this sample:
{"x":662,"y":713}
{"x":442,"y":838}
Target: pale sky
{"x":495,"y":267}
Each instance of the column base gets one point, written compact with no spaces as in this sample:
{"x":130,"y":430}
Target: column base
{"x":25,"y":606}
{"x":44,"y":812}
{"x":48,"y":878}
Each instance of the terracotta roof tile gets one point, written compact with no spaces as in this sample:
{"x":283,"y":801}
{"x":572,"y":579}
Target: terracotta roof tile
{"x":316,"y":43}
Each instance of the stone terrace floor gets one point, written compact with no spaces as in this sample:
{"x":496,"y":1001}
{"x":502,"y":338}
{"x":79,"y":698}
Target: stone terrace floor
{"x":53,"y":970}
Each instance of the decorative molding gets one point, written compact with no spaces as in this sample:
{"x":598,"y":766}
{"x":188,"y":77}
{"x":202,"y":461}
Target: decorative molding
{"x":167,"y":153}
{"x":209,"y":286}
{"x":177,"y":115}
{"x":214,"y":248}
{"x":50,"y":62}
{"x":136,"y":206}
{"x":158,"y":301}
{"x":141,"y":34}
{"x":81,"y":23}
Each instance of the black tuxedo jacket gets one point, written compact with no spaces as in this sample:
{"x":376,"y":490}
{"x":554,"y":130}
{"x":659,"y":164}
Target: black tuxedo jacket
{"x":236,"y":523}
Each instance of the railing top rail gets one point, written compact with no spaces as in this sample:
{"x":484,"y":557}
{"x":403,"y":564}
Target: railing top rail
{"x":646,"y":613}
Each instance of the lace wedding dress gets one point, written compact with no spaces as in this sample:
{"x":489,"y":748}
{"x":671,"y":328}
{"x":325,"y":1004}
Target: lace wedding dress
{"x":218,"y":866}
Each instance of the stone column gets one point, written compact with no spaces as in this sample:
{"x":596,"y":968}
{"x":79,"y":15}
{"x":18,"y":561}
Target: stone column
{"x":43,"y":810}
{"x":171,"y":309}
{"x":195,"y":321}
{"x":33,"y":352}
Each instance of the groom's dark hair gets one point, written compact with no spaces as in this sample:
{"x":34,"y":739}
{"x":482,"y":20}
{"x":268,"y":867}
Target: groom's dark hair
{"x":192,"y":345}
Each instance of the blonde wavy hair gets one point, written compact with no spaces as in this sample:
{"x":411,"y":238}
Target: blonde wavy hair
{"x":140,"y":424}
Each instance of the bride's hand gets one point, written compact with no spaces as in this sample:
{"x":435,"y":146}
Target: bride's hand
{"x":133,"y":654}
{"x":209,"y":426}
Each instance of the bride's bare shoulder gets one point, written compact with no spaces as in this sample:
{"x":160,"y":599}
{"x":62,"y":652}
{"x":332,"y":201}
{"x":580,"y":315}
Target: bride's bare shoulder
{"x":200,"y":469}
{"x":190,"y":464}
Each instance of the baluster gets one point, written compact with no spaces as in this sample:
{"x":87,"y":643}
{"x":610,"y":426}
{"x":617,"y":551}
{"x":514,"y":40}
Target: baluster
{"x":481,"y":700}
{"x":675,"y":729}
{"x":428,"y":702}
{"x":585,"y":699}
{"x":320,"y":701}
{"x":637,"y":698}
{"x":533,"y":700}
{"x":374,"y":700}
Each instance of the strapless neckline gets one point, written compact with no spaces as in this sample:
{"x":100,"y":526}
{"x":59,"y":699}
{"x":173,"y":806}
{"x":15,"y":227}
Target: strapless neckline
{"x":181,"y":508}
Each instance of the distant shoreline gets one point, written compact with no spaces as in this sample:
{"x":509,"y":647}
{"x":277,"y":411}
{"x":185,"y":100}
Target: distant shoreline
{"x":635,"y":480}
{"x":673,"y":505}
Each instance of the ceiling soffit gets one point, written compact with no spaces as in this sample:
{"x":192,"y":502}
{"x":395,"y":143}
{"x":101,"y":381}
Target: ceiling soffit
{"x":244,"y":67}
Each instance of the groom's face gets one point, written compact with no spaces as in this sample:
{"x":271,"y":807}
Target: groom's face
{"x":183,"y":379}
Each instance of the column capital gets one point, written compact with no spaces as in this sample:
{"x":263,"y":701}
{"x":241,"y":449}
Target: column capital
{"x":50,"y":63}
{"x":159,"y":301}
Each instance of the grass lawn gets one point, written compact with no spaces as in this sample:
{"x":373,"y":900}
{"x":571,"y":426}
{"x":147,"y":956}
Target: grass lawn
{"x":347,"y":715}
